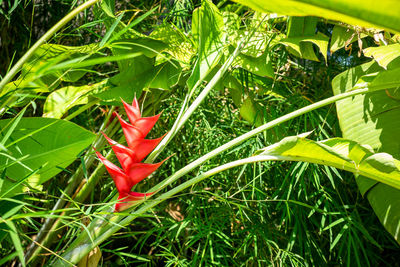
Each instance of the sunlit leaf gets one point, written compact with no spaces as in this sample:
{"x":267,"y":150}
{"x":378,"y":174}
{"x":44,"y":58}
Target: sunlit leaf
{"x":340,"y":153}
{"x":342,"y":36}
{"x":371,"y":119}
{"x":63,"y":99}
{"x":296,"y":45}
{"x":179,"y":46}
{"x":207,"y":30}
{"x":383,"y":54}
{"x":50,"y":146}
{"x":366,"y":13}
{"x":252,"y":112}
{"x":166,"y":75}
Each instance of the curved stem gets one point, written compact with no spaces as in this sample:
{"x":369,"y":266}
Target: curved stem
{"x":51,"y":223}
{"x":185,"y":114}
{"x":14,"y":70}
{"x":81,"y":246}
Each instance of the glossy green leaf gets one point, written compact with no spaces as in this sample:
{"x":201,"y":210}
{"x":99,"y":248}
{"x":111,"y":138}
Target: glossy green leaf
{"x":148,"y":47}
{"x":303,"y":27}
{"x":371,"y":119}
{"x":235,"y":88}
{"x":208,"y":33}
{"x":136,"y":75}
{"x":339,"y":153}
{"x":179,"y":46}
{"x":252,"y":112}
{"x":16,"y":241}
{"x":254,"y":55}
{"x":258,"y":65}
{"x":38,"y":73}
{"x":54,"y":53}
{"x":45,"y":146}
{"x":63,"y":99}
{"x":383,"y":54}
{"x":342,"y":36}
{"x":300,"y":45}
{"x":366,"y":13}
{"x":166,"y":75}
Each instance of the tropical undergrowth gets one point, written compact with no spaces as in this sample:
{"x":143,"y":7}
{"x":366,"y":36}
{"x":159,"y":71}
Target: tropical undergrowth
{"x":260,"y":214}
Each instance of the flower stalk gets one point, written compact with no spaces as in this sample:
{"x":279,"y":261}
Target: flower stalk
{"x":100,"y":230}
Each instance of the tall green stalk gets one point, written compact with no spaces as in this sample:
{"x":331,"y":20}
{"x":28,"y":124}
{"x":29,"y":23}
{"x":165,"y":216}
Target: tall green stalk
{"x":185,"y":114}
{"x":15,"y":69}
{"x":101,"y":230}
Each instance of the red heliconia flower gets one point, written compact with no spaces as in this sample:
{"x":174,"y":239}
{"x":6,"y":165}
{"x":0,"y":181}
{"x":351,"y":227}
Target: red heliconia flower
{"x":133,"y":171}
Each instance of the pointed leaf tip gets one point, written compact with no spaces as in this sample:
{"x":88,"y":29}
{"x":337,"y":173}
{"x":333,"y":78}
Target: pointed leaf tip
{"x":135,"y":103}
{"x":139,"y":171}
{"x":145,"y":146}
{"x":146,"y":124}
{"x":121,"y":181}
{"x":133,"y":111}
{"x":125,"y":155}
{"x":132,"y":133}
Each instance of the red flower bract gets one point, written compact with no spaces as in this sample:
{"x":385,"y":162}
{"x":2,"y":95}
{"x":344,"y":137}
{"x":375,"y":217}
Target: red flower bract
{"x":133,"y":171}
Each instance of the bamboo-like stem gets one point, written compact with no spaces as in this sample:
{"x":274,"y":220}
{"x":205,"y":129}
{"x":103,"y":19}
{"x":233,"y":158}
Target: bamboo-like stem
{"x":185,"y":114}
{"x":14,"y":70}
{"x":52,"y":222}
{"x":101,"y":231}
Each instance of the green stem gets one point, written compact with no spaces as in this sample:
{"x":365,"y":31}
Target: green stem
{"x":14,"y":70}
{"x":101,"y":231}
{"x":183,"y":117}
{"x":47,"y":230}
{"x":82,"y":109}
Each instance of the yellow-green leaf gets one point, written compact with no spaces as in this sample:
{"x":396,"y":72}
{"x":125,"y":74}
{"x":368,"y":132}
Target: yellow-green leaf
{"x":366,"y":13}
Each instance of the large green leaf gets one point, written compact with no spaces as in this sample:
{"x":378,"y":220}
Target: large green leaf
{"x":254,"y":56}
{"x":44,"y":147}
{"x":179,"y":46}
{"x":340,"y":153}
{"x":261,"y":65}
{"x":54,"y":53}
{"x":135,"y":76}
{"x":371,"y":119}
{"x":367,"y":13}
{"x":208,"y":34}
{"x":342,"y":37}
{"x":63,"y":99}
{"x":166,"y":75}
{"x":383,"y":54}
{"x":301,"y":36}
{"x":252,"y":112}
{"x":33,"y":73}
{"x":301,"y":46}
{"x":149,"y":47}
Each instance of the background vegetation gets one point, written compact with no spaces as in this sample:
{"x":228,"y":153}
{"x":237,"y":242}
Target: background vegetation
{"x":260,"y":214}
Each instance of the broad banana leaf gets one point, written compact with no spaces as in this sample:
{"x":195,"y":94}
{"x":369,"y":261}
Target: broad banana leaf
{"x":340,"y":153}
{"x":366,"y":13}
{"x":371,"y":119}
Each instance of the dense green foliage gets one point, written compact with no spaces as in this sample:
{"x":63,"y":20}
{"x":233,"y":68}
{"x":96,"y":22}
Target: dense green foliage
{"x":252,"y":68}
